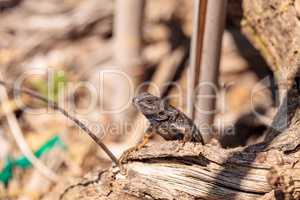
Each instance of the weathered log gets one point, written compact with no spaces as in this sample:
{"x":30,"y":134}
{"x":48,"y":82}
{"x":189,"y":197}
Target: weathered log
{"x":174,"y":170}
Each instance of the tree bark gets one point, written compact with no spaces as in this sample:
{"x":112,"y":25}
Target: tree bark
{"x":273,"y":28}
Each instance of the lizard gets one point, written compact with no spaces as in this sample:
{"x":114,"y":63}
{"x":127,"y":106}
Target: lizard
{"x":166,"y":120}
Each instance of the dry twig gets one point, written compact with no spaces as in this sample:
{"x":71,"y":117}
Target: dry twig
{"x":55,"y":106}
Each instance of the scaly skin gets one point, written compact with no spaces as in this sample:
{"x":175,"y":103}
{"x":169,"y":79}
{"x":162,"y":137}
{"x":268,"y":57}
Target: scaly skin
{"x":166,"y":120}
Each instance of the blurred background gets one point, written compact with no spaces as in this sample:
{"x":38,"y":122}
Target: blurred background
{"x":92,"y":57}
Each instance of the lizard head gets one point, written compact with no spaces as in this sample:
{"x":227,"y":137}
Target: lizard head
{"x":154,"y":108}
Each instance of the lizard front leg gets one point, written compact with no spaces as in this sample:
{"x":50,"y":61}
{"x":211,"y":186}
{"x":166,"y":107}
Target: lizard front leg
{"x":148,"y":134}
{"x":187,"y":136}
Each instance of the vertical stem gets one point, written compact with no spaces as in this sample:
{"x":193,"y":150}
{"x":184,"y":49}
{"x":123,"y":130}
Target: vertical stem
{"x":210,"y":59}
{"x":128,"y":31}
{"x":127,"y":47}
{"x":195,"y":52}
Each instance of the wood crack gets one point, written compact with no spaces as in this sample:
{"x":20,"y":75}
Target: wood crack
{"x":81,"y":184}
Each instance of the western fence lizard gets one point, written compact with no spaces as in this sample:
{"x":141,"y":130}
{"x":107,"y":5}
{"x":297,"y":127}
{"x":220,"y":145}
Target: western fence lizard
{"x":166,"y":120}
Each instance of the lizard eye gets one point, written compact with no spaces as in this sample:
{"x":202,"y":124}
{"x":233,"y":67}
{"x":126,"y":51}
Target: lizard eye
{"x":161,"y":113}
